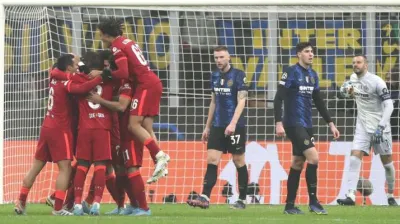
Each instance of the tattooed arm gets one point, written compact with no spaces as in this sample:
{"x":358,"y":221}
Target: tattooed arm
{"x":241,"y":98}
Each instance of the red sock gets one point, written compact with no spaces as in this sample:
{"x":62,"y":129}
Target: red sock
{"x":120,"y":182}
{"x":128,"y":190}
{"x":69,"y":201}
{"x":23,"y":195}
{"x":60,"y":196}
{"x":112,"y":187}
{"x":137,"y":188}
{"x":90,"y":197}
{"x":53,"y":196}
{"x":99,"y":182}
{"x":79,"y":181}
{"x":152,"y":147}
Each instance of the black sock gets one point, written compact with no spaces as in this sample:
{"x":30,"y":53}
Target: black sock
{"x":209,"y":179}
{"x":243,"y":179}
{"x":311,"y":178}
{"x":292,"y":185}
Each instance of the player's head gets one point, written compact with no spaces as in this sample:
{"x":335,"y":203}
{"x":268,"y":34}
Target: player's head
{"x":93,"y":61}
{"x":360,"y":64}
{"x":221,"y":57}
{"x":106,"y":56}
{"x":305,"y":53}
{"x":110,"y":28}
{"x":68,"y":63}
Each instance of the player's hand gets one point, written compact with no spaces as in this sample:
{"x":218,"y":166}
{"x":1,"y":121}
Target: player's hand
{"x":280,"y":131}
{"x":94,"y":98}
{"x":230,"y":129}
{"x":95,"y":73}
{"x":334,"y":130}
{"x":106,"y":75}
{"x":204,"y":136}
{"x":377,"y":137}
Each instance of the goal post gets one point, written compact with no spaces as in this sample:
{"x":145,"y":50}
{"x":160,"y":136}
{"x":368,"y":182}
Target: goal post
{"x":177,"y":38}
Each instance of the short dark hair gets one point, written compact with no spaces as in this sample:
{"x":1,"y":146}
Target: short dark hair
{"x":111,"y":26}
{"x":93,"y":60}
{"x":64,"y":61}
{"x":105,"y":54}
{"x":302,"y":45}
{"x":363,"y":56}
{"x":221,"y":48}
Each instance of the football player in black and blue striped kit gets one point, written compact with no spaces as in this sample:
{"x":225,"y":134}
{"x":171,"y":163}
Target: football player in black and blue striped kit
{"x":225,"y":130}
{"x":298,"y":88}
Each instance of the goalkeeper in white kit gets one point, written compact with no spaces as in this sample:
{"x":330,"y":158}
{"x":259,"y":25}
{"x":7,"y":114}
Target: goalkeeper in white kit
{"x":374,"y":108}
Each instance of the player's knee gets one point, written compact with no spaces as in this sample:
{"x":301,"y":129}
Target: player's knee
{"x":298,"y":164}
{"x":386,"y":159}
{"x":239,"y":160}
{"x":357,"y":153}
{"x":64,"y":166}
{"x":212,"y":160}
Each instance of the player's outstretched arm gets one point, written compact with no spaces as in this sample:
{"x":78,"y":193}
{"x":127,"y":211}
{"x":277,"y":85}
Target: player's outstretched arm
{"x":81,"y":88}
{"x":241,"y":103}
{"x":279,"y":97}
{"x":119,"y":106}
{"x":210,"y":118}
{"x":321,"y":107}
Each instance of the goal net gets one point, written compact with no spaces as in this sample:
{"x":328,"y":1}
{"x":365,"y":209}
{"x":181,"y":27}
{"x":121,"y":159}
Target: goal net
{"x":178,"y":43}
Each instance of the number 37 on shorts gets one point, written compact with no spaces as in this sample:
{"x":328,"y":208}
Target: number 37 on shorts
{"x":146,"y":102}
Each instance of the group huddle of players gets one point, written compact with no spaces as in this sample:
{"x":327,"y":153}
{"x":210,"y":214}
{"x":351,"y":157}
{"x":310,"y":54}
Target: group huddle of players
{"x":100,"y":112}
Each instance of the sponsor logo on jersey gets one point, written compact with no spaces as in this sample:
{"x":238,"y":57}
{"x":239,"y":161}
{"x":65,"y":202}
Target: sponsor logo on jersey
{"x":363,"y":95}
{"x":126,"y":41}
{"x":306,"y":89}
{"x":222,"y":91}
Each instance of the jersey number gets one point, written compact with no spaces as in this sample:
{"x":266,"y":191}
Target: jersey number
{"x":235,"y":139}
{"x":99,"y":91}
{"x":50,"y":103}
{"x":139,"y":54}
{"x":134,"y":104}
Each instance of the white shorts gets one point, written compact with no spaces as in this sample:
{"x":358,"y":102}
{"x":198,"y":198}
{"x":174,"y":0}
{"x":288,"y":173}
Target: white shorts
{"x":363,"y":141}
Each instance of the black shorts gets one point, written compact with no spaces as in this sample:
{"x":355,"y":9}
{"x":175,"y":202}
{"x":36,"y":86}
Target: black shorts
{"x":234,"y":144}
{"x":302,"y":139}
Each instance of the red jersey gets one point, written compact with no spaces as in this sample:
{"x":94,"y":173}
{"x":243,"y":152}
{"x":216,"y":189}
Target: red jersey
{"x":125,"y":90}
{"x":59,"y":112}
{"x":115,"y":121}
{"x":91,"y":115}
{"x":131,"y":63}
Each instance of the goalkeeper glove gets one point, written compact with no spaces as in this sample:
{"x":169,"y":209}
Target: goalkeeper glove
{"x":106,"y":75}
{"x":377,"y":136}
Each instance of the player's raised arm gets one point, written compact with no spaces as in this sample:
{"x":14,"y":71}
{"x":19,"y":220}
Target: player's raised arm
{"x":210,"y":118}
{"x":119,"y":106}
{"x":323,"y":110}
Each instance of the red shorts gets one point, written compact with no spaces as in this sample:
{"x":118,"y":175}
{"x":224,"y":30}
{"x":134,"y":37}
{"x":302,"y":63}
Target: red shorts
{"x":146,"y":101}
{"x":54,"y":145}
{"x":132,"y":153}
{"x":93,"y":145}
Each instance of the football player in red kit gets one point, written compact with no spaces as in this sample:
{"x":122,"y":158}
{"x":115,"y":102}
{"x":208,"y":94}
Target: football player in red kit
{"x":55,"y":141}
{"x":132,"y":66}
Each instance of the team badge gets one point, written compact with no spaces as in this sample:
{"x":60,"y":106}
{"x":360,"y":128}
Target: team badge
{"x":312,"y":80}
{"x":365,"y":87}
{"x":306,"y":142}
{"x":230,"y":83}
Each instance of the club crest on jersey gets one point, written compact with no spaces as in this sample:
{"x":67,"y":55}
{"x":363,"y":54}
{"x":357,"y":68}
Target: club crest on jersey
{"x":230,"y":83}
{"x":306,"y":142}
{"x":312,"y":80}
{"x":365,"y":88}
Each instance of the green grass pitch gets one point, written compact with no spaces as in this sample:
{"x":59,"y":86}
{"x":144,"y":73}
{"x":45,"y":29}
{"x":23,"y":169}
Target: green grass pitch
{"x":218,"y":214}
